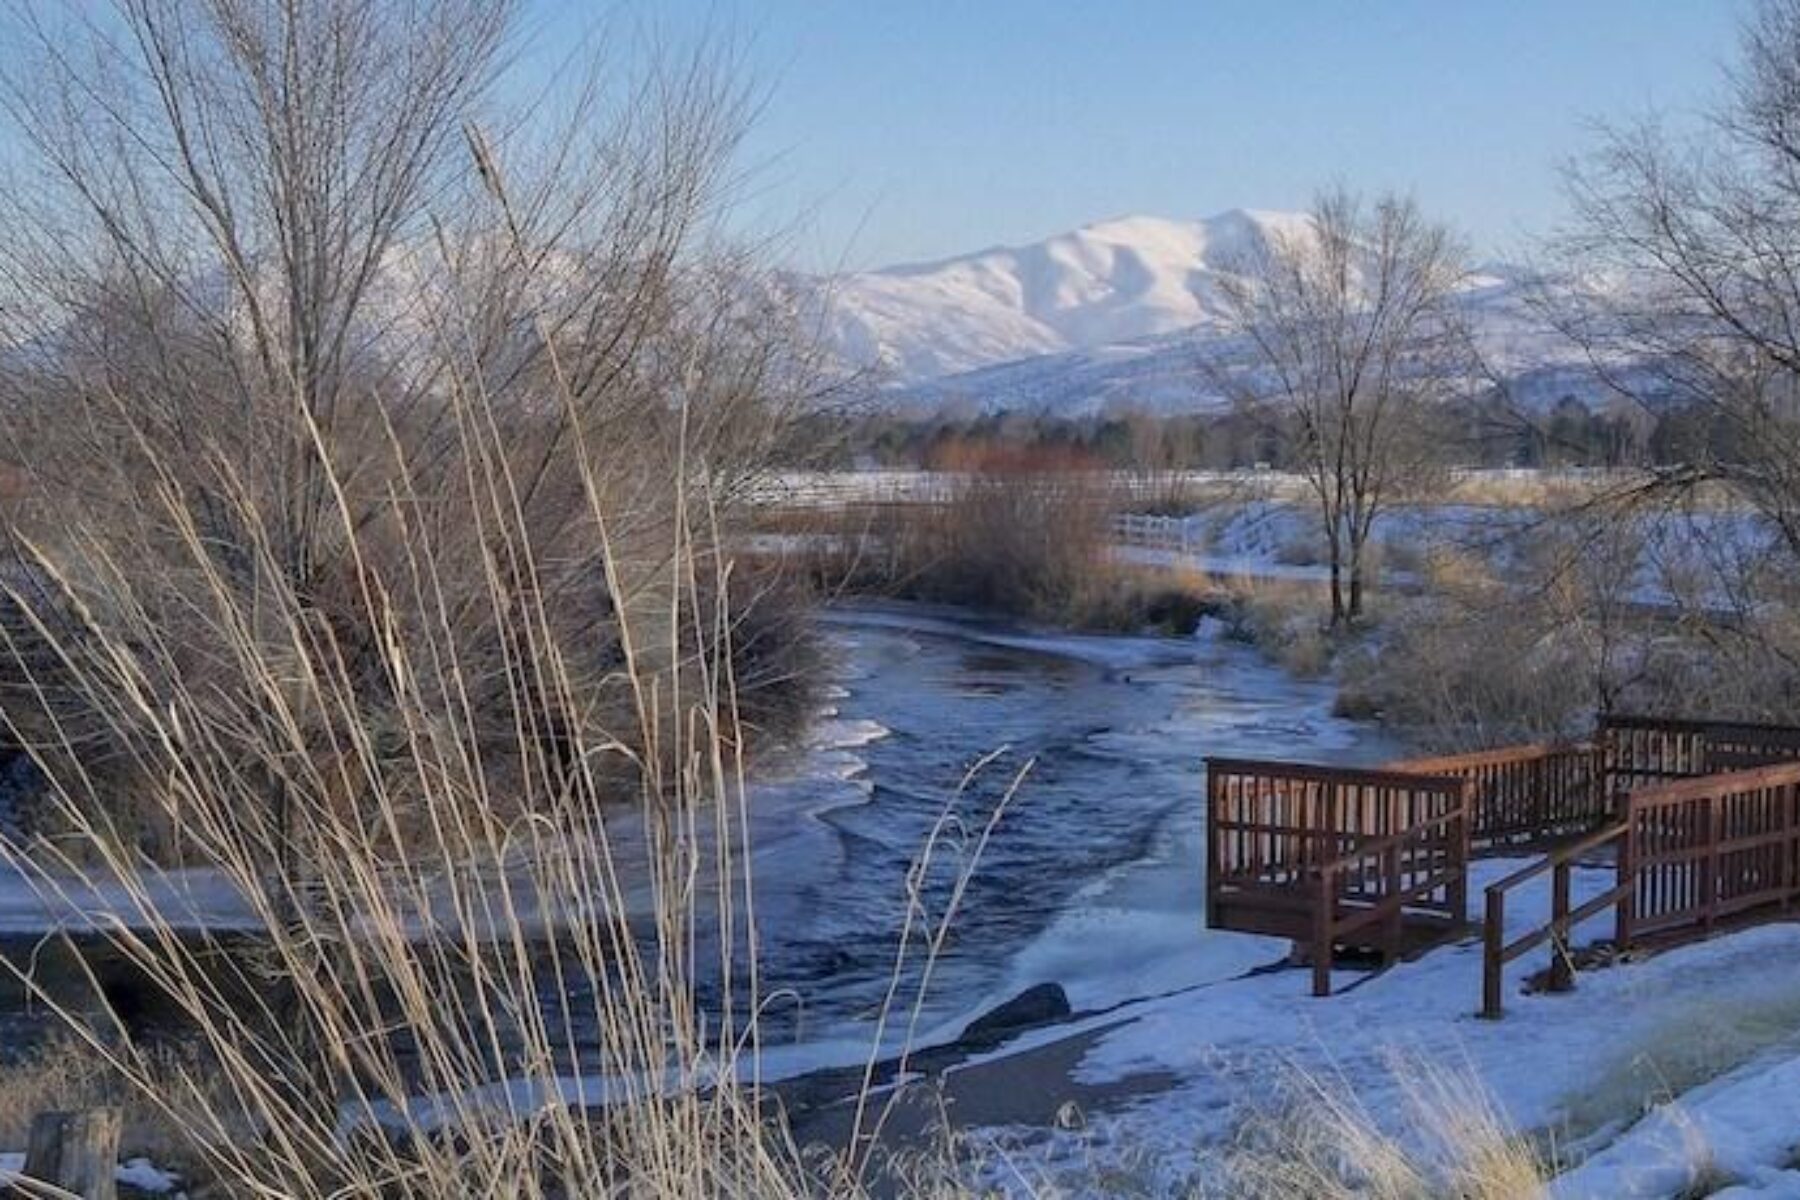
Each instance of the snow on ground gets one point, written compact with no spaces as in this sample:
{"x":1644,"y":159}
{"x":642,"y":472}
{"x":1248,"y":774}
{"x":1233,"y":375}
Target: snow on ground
{"x":1700,"y":557}
{"x":1554,"y":1062}
{"x":1744,"y":1127}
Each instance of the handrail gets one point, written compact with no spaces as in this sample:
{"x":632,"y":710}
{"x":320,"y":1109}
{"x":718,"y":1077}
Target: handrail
{"x":1687,"y":724}
{"x":1368,"y":847}
{"x":1322,"y":773}
{"x":1562,"y":853}
{"x":1723,"y":783}
{"x":1499,"y":756}
{"x":1497,"y":952}
{"x":1527,"y":793}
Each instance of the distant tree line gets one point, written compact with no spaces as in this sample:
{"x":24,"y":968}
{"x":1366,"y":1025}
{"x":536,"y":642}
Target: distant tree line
{"x":1487,"y":431}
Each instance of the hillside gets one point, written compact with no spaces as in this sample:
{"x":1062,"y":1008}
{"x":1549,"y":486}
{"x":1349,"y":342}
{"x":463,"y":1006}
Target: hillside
{"x":1123,"y":312}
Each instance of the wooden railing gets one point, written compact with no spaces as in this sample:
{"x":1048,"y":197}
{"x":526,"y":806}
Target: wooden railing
{"x":1528,"y":794}
{"x":1649,"y":750}
{"x":1497,"y":951}
{"x":1420,"y":874}
{"x":1317,"y":853}
{"x":1690,"y":853}
{"x":1704,"y":818}
{"x":1701,"y":850}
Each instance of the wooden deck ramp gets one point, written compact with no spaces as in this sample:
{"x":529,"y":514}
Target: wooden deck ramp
{"x":1701,"y":820}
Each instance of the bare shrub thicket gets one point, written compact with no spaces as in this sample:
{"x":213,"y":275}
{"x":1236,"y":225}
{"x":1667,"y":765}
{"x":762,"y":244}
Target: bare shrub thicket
{"x":1462,"y":672}
{"x":298,"y":292}
{"x":1018,"y":533}
{"x":1526,"y":633}
{"x":1677,"y":273}
{"x":1023,"y":531}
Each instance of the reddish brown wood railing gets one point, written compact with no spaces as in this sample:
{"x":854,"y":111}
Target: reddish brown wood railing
{"x":1701,"y":850}
{"x":1497,"y":951}
{"x":1650,"y":750}
{"x":1528,"y":794}
{"x":1317,"y":854}
{"x":1328,"y":856}
{"x":1691,"y":853}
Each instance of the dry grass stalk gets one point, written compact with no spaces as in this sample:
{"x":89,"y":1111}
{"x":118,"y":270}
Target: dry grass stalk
{"x":1450,"y":1140}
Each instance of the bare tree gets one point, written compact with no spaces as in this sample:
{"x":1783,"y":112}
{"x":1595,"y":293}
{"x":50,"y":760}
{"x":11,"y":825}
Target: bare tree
{"x":1354,"y":335}
{"x":1679,"y":275}
{"x":301,"y":284}
{"x":1682,"y":270}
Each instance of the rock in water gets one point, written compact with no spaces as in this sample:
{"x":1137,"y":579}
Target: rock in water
{"x":1035,"y":1006}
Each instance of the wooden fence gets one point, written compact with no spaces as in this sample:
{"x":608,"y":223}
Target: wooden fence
{"x":1702,"y":850}
{"x":1497,"y":951}
{"x":1649,"y":750}
{"x":1690,"y":854}
{"x":1327,"y":855}
{"x":1529,"y":794}
{"x":1702,"y":818}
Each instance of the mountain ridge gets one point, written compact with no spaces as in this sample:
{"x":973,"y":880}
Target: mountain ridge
{"x":1119,"y":311}
{"x":1111,"y":281}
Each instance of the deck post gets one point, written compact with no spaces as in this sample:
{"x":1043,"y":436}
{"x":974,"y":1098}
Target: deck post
{"x":1392,"y":927}
{"x":1790,"y":798}
{"x":1324,"y":917}
{"x":1493,"y":940}
{"x":1562,"y":965}
{"x":1709,"y":868}
{"x":1625,"y":912}
{"x":1461,"y":837}
{"x":1215,"y":853}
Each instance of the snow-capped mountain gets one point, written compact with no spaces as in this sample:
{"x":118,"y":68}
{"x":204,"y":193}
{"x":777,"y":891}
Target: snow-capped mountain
{"x":1125,"y":311}
{"x":1107,"y":283}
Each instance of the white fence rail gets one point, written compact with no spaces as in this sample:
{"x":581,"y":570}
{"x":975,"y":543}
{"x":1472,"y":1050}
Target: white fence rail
{"x":1174,"y":534}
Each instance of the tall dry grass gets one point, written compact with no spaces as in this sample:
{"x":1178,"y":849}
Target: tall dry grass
{"x":1021,"y":533}
{"x":451,"y":944}
{"x":433,"y":685}
{"x":1449,"y":1140}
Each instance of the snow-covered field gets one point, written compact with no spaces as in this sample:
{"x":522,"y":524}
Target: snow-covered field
{"x":1575,"y":1065}
{"x":1654,"y":558}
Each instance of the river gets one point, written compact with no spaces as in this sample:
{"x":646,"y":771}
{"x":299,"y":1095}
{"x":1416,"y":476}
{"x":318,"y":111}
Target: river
{"x":1092,"y":878}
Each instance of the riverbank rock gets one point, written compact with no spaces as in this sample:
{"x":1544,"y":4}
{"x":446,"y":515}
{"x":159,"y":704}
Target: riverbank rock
{"x":1035,"y":1006}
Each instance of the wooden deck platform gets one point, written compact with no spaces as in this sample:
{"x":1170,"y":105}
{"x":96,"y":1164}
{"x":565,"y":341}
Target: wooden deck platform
{"x":1702,"y":818}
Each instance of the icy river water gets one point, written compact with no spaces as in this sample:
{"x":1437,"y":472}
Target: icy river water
{"x":1092,"y":878}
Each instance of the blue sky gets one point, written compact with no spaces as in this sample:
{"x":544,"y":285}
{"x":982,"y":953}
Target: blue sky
{"x":910,"y":129}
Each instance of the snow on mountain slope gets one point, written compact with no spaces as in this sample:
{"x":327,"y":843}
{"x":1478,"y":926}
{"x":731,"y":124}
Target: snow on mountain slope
{"x":1120,"y":313}
{"x":1107,"y":283}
